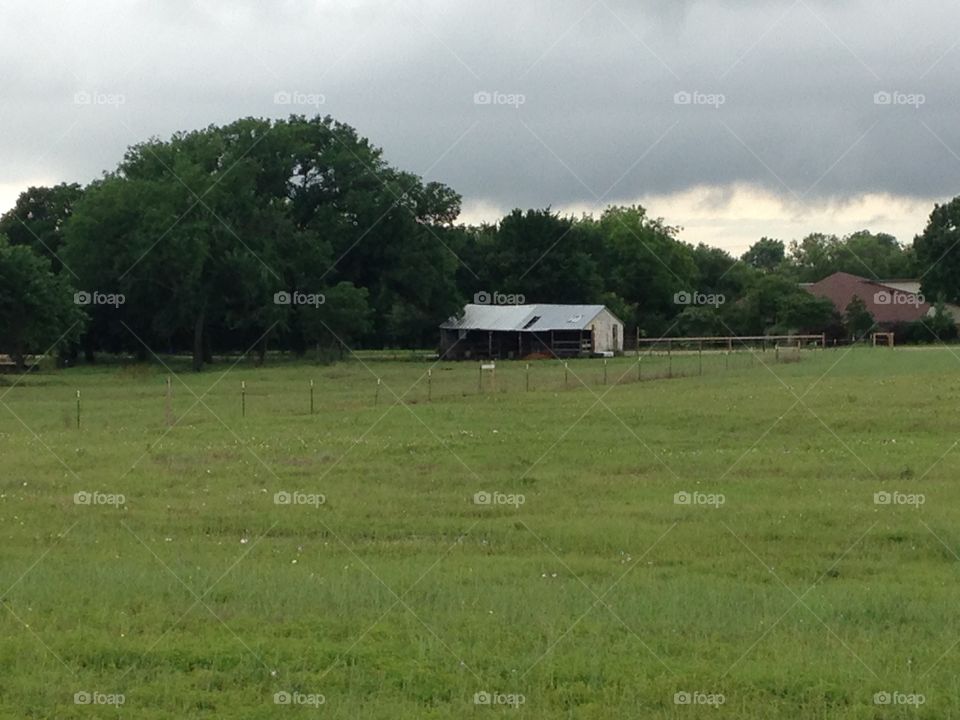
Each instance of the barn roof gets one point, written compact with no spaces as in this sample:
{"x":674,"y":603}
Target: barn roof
{"x":524,"y":318}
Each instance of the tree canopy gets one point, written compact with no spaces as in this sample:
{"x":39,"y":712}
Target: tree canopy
{"x":297,"y":234}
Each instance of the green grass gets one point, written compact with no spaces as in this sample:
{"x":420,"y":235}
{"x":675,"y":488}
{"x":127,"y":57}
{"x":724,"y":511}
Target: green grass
{"x":598,"y":597}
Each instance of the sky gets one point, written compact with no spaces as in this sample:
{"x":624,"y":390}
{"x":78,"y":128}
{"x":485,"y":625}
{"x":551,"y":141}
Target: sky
{"x":731,"y":120}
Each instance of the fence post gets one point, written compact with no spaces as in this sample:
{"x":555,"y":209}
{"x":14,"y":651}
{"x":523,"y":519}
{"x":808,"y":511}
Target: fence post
{"x":604,"y":371}
{"x":700,"y":356}
{"x":168,"y":403}
{"x":669,"y":359}
{"x":639,"y":367}
{"x":311,"y":397}
{"x":376,"y":397}
{"x":528,"y":377}
{"x":429,"y":384}
{"x":78,"y":409}
{"x":243,"y":398}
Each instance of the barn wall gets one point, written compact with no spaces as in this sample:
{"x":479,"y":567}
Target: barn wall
{"x":602,"y":327}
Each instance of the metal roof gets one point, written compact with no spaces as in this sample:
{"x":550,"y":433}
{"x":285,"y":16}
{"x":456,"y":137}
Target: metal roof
{"x":526,"y":318}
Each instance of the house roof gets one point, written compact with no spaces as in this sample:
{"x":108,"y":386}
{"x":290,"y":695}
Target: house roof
{"x":524,"y":318}
{"x":889,"y":301}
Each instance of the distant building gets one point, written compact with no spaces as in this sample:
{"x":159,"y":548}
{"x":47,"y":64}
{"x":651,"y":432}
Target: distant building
{"x":516,"y":331}
{"x":891,"y":302}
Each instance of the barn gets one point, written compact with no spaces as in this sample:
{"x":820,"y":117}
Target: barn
{"x":517,"y":331}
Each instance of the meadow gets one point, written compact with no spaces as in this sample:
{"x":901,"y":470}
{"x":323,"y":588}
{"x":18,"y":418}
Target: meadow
{"x":762,"y":540}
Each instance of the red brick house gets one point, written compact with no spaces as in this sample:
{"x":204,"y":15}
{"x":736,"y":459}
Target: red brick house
{"x":891,"y":302}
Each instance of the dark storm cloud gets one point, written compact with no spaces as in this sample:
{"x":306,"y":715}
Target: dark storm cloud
{"x":511,"y":103}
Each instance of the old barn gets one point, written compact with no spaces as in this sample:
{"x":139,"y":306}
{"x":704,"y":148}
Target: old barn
{"x":516,"y":331}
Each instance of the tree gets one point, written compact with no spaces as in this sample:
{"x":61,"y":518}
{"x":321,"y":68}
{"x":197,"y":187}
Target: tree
{"x":540,"y":255}
{"x":37,"y":309}
{"x":857,"y":319}
{"x":863,"y":253}
{"x":720,"y":273}
{"x":814,"y":257}
{"x":642,"y":262}
{"x":874,"y":255}
{"x":803,"y":313}
{"x":38,"y":218}
{"x":202,"y":231}
{"x":766,"y":254}
{"x":938,"y":252}
{"x":942,"y":325}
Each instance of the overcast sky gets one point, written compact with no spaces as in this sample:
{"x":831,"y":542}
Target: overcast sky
{"x":732,"y":119}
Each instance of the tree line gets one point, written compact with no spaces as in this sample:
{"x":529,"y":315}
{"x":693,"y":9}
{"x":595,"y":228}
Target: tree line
{"x":297,"y":235}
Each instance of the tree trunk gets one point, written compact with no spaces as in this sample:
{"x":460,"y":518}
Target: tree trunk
{"x":207,"y":349}
{"x":18,"y":358}
{"x":262,"y":351}
{"x":198,"y":343}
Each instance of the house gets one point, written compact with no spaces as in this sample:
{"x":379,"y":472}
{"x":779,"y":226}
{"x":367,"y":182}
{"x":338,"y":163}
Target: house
{"x":891,"y":302}
{"x":516,"y":331}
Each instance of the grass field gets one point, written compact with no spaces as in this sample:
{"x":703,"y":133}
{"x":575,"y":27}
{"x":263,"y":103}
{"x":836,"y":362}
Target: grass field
{"x":777,"y":586}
